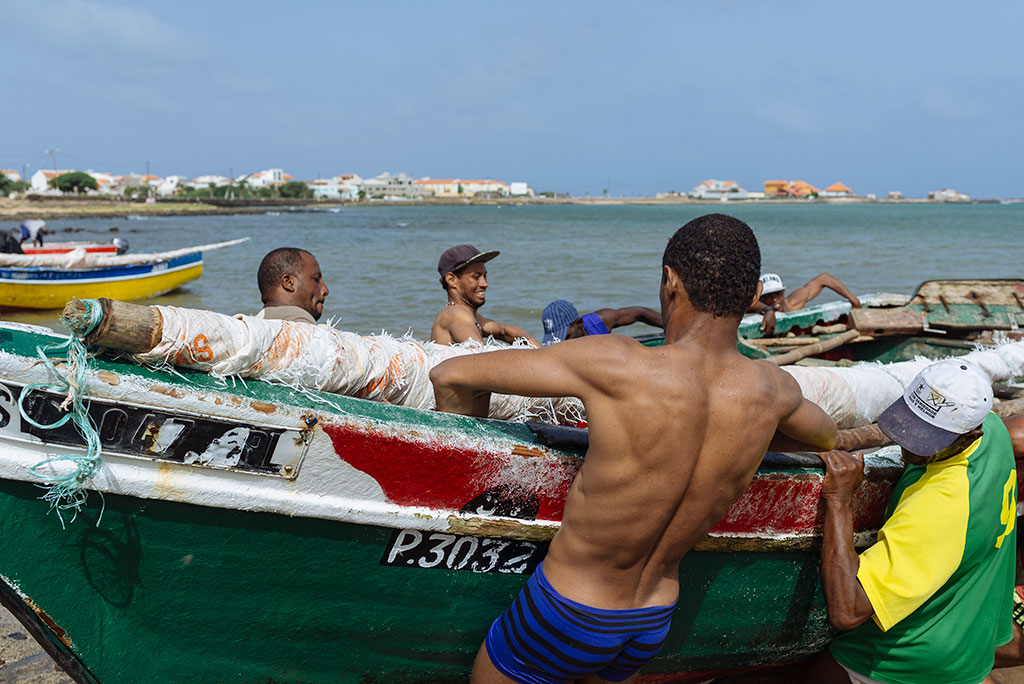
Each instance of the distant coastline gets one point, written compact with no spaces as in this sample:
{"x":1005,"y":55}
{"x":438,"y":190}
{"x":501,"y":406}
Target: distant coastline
{"x":96,"y":207}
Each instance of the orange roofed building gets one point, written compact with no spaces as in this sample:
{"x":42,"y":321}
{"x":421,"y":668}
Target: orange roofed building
{"x":837,"y":190}
{"x":781,"y":188}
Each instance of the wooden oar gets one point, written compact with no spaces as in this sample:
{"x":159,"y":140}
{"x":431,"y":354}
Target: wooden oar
{"x":811,"y":350}
{"x":126,"y":327}
{"x":783,"y":341}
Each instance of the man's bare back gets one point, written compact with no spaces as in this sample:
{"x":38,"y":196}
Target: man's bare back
{"x":676,"y":434}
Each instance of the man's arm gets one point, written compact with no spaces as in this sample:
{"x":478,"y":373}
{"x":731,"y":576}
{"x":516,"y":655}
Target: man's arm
{"x":804,"y":426}
{"x":506,"y":333}
{"x":768,"y":316}
{"x":848,"y":604}
{"x":616,"y":318}
{"x":571,"y":368}
{"x":1015,"y":424}
{"x":812,"y":289}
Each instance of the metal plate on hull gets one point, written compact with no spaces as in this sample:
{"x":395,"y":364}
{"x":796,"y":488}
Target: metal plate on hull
{"x":160,"y":434}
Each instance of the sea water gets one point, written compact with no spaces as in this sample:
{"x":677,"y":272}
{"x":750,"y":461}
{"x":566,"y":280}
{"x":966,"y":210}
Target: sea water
{"x":380,"y":262}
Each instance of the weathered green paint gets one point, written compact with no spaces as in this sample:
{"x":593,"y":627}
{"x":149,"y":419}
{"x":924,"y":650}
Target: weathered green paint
{"x":162,"y":592}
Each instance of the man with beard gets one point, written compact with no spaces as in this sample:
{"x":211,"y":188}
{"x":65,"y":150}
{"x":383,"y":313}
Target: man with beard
{"x":464,"y":279}
{"x":291,"y":286}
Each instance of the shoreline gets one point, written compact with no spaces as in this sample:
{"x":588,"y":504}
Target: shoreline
{"x":94,"y":207}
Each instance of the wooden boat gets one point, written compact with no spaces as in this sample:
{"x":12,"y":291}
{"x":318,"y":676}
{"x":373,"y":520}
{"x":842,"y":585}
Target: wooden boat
{"x":940,"y":318}
{"x":258,"y":533}
{"x":65,"y":247}
{"x":245,"y":531}
{"x":47,"y":281}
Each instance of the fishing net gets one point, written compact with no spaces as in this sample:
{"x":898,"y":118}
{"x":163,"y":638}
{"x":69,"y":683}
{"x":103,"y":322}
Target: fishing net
{"x":857,"y":395}
{"x":376,"y":367}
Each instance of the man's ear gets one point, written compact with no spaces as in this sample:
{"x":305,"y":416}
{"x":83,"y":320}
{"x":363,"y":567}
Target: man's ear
{"x":450,"y":279}
{"x":757,"y":293}
{"x":288,"y":282}
{"x":670,"y":277}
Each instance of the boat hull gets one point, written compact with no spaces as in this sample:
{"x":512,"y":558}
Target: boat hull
{"x":50,"y":288}
{"x":347,"y":540}
{"x":266,"y":597}
{"x":65,"y":247}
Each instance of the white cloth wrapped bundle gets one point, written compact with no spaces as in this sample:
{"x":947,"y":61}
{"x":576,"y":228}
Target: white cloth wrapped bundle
{"x":383,"y":368}
{"x":857,"y":395}
{"x":377,"y":367}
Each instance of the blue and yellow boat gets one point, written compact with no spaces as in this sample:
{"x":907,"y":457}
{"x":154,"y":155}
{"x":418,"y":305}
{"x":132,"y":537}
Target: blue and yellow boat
{"x":27,"y":284}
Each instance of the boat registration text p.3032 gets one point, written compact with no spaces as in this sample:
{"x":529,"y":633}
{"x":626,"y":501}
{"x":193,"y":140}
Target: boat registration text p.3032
{"x":422,"y":549}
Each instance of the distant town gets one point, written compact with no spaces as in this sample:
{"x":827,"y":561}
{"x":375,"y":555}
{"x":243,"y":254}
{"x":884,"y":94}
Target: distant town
{"x":350,"y":187}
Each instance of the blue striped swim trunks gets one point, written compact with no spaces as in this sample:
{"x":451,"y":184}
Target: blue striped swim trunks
{"x":545,"y":638}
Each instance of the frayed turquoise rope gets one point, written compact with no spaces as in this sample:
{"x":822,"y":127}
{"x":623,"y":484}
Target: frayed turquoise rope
{"x":67,"y":492}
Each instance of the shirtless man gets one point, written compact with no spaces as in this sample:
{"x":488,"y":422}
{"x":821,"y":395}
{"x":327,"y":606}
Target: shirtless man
{"x":291,"y":286}
{"x":773,"y":296}
{"x":562,"y":321}
{"x":464,"y":279}
{"x":676,"y":434}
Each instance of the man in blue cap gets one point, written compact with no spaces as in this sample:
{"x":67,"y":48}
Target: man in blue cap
{"x":563,"y":322}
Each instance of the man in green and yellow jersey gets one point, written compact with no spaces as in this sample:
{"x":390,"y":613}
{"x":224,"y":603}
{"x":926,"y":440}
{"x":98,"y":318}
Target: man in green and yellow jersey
{"x":930,"y":600}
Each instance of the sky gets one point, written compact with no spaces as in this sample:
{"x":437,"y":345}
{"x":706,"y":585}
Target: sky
{"x":582,"y":97}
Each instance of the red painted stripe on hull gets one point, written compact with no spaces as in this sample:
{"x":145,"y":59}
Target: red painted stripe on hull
{"x":440,"y":474}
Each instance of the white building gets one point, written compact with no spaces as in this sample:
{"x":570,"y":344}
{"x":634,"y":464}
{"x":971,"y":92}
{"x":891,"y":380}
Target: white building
{"x":519,"y":189}
{"x":460,"y":187}
{"x":388,"y":186}
{"x":266,"y":178}
{"x":948,"y":195}
{"x":718,"y":190}
{"x":12,"y":174}
{"x":40,"y":182}
{"x":171,"y":185}
{"x":208,"y":180}
{"x":333,"y":188}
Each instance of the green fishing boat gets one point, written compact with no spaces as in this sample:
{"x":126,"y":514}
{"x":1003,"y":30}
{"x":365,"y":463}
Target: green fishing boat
{"x":243,"y":531}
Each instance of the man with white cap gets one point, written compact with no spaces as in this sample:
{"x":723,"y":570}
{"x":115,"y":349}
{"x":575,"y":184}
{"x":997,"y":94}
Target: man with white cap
{"x":930,"y":600}
{"x":773,"y":296}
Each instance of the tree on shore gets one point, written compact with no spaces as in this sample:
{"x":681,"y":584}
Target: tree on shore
{"x":74,"y":181}
{"x":295,"y":190}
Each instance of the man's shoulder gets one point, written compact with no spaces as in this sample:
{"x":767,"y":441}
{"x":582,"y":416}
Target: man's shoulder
{"x":287,"y":313}
{"x":454,"y":313}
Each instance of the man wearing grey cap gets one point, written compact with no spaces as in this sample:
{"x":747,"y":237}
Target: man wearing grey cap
{"x":930,"y":600}
{"x":464,"y":279}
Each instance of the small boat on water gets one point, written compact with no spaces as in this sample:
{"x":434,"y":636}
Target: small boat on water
{"x":116,"y":246}
{"x":249,"y":531}
{"x":49,"y":281}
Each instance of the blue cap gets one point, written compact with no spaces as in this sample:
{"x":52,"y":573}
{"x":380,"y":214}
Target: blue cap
{"x":557,"y":317}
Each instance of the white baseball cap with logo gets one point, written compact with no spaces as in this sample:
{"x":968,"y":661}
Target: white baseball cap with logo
{"x":771,"y":282}
{"x":947,"y":399}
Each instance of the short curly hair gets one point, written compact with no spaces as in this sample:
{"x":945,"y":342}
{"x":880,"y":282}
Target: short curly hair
{"x":277,"y":264}
{"x":719,"y":262}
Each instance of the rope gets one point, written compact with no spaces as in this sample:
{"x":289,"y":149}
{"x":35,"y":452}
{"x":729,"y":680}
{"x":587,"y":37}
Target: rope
{"x":67,"y":491}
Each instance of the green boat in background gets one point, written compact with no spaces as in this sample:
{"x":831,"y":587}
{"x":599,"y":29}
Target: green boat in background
{"x":940,"y":318}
